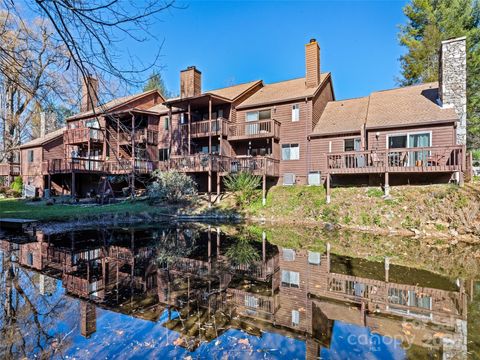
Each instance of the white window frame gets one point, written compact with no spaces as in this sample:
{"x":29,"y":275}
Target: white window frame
{"x":288,"y":254}
{"x":290,"y":147}
{"x":407,"y":134}
{"x":289,"y":283}
{"x":295,"y":318}
{"x":295,"y":112}
{"x":316,"y":254}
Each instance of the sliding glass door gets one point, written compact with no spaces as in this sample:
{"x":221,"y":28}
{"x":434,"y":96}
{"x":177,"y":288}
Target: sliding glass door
{"x":418,"y":158}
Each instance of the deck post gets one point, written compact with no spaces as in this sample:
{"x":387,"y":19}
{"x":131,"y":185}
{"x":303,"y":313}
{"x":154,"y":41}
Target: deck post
{"x":133,"y":156}
{"x":264,"y":190}
{"x":328,"y":257}
{"x":72,"y":190}
{"x":264,"y":246}
{"x":387,"y":185}
{"x":328,"y":189}
{"x":209,"y":182}
{"x":218,"y":184}
{"x":189,"y":128}
{"x":210,"y":125}
{"x":387,"y":268}
{"x":218,"y":242}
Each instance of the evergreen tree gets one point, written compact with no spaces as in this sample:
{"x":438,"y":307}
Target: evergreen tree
{"x":428,"y":23}
{"x":155,"y":81}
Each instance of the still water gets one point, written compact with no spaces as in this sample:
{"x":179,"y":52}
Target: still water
{"x":199,"y":291}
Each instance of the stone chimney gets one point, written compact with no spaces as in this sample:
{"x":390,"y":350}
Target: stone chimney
{"x":89,"y":94}
{"x":190,"y":82}
{"x":312,"y":63}
{"x":452,"y":79}
{"x":43,"y":124}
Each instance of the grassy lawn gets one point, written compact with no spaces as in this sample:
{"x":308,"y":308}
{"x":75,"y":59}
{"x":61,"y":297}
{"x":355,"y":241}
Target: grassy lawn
{"x":17,"y":208}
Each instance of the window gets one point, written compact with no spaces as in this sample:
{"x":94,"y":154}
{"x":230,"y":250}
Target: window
{"x":397,"y":141}
{"x":30,"y":259}
{"x":30,"y":156}
{"x":290,"y":152}
{"x":290,"y":279}
{"x":295,"y":318}
{"x":352,"y":144}
{"x":296,"y":112}
{"x":288,"y":255}
{"x":258,"y":115}
{"x":163,"y":154}
{"x":183,"y":118}
{"x":314,"y":258}
{"x":166,"y":123}
{"x":251,"y":301}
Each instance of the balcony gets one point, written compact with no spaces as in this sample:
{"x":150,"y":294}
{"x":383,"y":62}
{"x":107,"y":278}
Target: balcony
{"x":62,"y":166}
{"x":408,"y":160}
{"x":9,"y":169}
{"x":254,"y":130}
{"x":198,"y":163}
{"x":260,"y":165}
{"x":206,"y":128}
{"x":82,"y":135}
{"x":141,"y":136}
{"x":124,"y":166}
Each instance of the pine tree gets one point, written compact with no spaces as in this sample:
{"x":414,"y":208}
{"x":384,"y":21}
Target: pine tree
{"x":428,"y":23}
{"x":155,"y":81}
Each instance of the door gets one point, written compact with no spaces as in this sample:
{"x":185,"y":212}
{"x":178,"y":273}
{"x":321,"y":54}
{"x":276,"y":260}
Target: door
{"x":418,"y":158}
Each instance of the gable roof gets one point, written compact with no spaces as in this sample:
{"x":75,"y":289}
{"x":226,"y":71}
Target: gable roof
{"x":343,"y":116}
{"x":410,"y":105}
{"x":43,"y":140}
{"x":235,"y":91}
{"x":283,"y":91}
{"x":113,"y":104}
{"x":406,"y":106}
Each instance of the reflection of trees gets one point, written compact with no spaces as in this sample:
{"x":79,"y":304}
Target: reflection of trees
{"x":173,"y":244}
{"x":28,"y":319}
{"x":242,"y":251}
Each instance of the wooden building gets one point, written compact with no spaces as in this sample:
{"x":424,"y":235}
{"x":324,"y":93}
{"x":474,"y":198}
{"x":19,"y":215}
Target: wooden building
{"x":289,"y":132}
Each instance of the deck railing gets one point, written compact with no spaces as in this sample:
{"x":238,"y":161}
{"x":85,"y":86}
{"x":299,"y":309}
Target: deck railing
{"x":122,"y":166}
{"x":83,"y":134}
{"x":206,"y":127}
{"x":140,"y":136}
{"x":419,"y":159}
{"x":254,"y":129}
{"x":252,"y":301}
{"x":199,"y":162}
{"x":259,"y":165}
{"x":9,"y":169}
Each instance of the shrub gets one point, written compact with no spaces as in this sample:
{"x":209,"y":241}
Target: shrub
{"x":17,"y":184}
{"x":244,"y":187}
{"x":171,"y":186}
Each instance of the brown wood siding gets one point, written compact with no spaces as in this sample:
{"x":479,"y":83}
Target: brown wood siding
{"x":291,"y":132}
{"x":442,"y":135}
{"x":54,"y":150}
{"x":233,"y":112}
{"x":34,"y":167}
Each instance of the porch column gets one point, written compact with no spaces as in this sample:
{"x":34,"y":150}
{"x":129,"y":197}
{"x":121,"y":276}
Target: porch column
{"x":387,"y":186}
{"x":170,"y":136}
{"x":49,"y":184}
{"x":209,"y":190}
{"x":264,"y":189}
{"x":189,"y":128}
{"x":218,"y":242}
{"x":73,"y":185}
{"x":118,"y":138}
{"x":218,"y":185}
{"x":209,"y":249}
{"x":328,"y":189}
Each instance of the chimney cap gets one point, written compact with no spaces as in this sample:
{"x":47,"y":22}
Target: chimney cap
{"x":313,"y":40}
{"x":192,"y":67}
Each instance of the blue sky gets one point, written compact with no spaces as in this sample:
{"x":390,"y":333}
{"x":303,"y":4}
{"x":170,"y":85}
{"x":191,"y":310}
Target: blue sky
{"x":238,"y":41}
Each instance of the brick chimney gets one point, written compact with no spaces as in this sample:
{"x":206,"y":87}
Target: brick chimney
{"x":452,"y":82}
{"x":89,"y":86}
{"x":312,"y":63}
{"x":190,"y":82}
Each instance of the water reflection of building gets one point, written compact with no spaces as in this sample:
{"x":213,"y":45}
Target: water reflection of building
{"x":207,"y":288}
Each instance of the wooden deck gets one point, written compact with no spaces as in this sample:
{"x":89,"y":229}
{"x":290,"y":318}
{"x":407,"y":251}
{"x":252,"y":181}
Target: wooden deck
{"x":259,"y":165}
{"x":441,"y":159}
{"x":82,"y":135}
{"x":7,"y":169}
{"x":206,"y":128}
{"x":93,"y":166}
{"x":254,"y":130}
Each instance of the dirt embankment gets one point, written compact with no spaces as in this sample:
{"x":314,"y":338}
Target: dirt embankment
{"x":433,"y":211}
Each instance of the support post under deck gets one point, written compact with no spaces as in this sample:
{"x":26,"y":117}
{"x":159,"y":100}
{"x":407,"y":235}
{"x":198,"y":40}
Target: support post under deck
{"x":328,"y":189}
{"x":387,"y":185}
{"x":264,"y":190}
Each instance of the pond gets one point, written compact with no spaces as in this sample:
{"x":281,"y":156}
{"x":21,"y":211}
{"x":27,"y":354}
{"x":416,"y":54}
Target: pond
{"x":193,"y":291}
